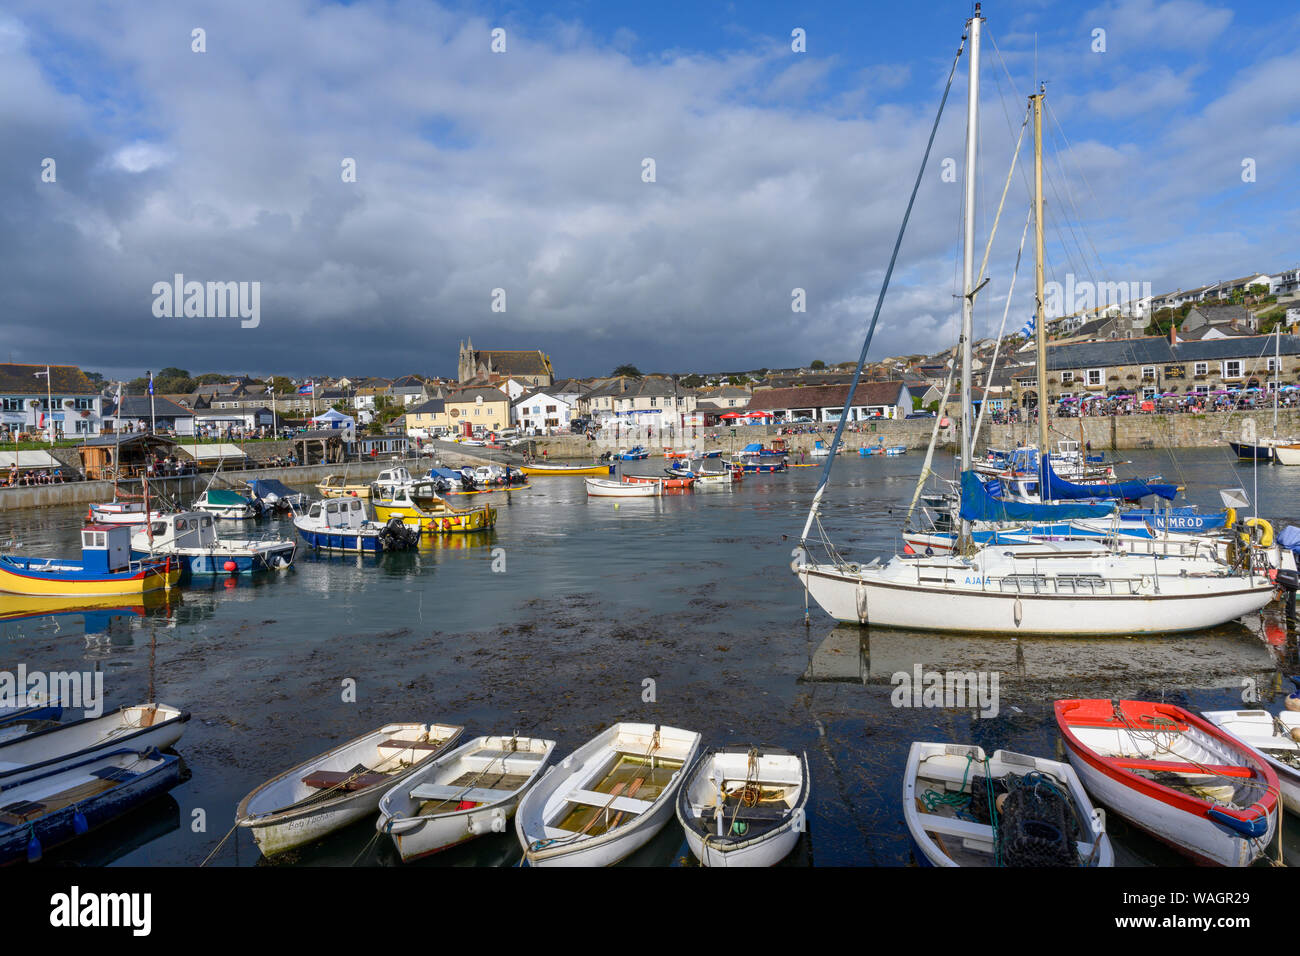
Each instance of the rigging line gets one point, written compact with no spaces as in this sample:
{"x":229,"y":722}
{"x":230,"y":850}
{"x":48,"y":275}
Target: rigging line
{"x":986,"y":32}
{"x":988,"y":381}
{"x":880,"y":299}
{"x":1077,"y":165}
{"x":1069,"y":195}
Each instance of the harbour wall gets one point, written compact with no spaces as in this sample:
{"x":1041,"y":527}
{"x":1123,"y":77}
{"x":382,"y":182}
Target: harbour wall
{"x":1187,"y":430}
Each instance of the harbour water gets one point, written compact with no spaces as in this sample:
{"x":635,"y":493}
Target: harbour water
{"x":574,"y":613}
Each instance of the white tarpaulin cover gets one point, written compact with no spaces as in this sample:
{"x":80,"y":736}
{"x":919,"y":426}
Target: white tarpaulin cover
{"x":29,"y":459}
{"x":211,"y":452}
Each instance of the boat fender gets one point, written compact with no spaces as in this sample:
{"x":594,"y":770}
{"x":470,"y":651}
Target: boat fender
{"x":79,"y":823}
{"x":1018,"y":612}
{"x":1254,"y":828}
{"x":34,"y":850}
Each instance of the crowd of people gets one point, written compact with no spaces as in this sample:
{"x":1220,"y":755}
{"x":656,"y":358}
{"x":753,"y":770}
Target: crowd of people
{"x":18,"y":478}
{"x":1198,"y":403}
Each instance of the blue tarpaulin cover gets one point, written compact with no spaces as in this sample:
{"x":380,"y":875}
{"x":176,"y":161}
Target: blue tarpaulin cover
{"x":1058,"y":489}
{"x":978,"y":504}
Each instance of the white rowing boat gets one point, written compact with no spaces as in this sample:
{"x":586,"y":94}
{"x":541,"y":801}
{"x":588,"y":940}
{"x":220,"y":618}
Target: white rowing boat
{"x":744,"y":806}
{"x":138,"y":727}
{"x":470,"y":791}
{"x":340,"y":786}
{"x":1043,"y":815}
{"x":603,"y":488}
{"x":607,"y":799}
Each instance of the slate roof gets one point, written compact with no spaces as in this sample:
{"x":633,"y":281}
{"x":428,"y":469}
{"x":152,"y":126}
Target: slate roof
{"x":826,"y":396}
{"x":64,"y":380}
{"x":1154,"y":350}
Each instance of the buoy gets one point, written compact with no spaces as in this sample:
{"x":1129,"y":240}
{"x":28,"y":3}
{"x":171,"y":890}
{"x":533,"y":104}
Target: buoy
{"x":79,"y":823}
{"x":231,"y":566}
{"x":33,"y":850}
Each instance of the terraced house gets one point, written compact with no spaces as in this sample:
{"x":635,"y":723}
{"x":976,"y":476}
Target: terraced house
{"x":71,"y":403}
{"x":1154,"y":366}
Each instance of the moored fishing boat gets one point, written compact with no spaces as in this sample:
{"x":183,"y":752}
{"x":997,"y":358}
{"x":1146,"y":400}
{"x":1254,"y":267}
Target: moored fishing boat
{"x":226,"y":504}
{"x":433,"y":515}
{"x":58,"y":806}
{"x":340,"y":524}
{"x":603,"y":488}
{"x":744,"y":806}
{"x":1175,"y":775}
{"x":608,"y":798}
{"x":465,"y":793}
{"x":131,"y":513}
{"x":191,"y":539}
{"x":105,"y":568}
{"x":635,"y":453}
{"x":139,"y":727}
{"x":276,"y":495}
{"x":964,"y":808}
{"x":559,"y":469}
{"x":1275,"y":737}
{"x":340,"y":786}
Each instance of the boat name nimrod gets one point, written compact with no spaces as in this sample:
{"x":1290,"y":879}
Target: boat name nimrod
{"x":84,"y":689}
{"x":957,"y":689}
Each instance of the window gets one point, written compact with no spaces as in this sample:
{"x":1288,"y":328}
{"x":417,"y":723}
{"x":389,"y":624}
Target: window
{"x":653,"y":401}
{"x":13,"y":405}
{"x":1148,"y":393}
{"x":1067,"y":378}
{"x":1201,"y":368}
{"x":1201,"y":389}
{"x":1096,"y":376}
{"x":1232,"y":368}
{"x":1148,"y":371}
{"x":550,"y":408}
{"x":85,"y":404}
{"x":1272,"y":365}
{"x":1029,"y":383}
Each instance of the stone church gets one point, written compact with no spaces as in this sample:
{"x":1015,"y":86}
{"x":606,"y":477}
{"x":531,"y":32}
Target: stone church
{"x":484,"y":365}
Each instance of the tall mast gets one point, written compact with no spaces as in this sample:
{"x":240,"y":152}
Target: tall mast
{"x":1040,"y":326}
{"x":968,"y":247}
{"x":1277,"y":372}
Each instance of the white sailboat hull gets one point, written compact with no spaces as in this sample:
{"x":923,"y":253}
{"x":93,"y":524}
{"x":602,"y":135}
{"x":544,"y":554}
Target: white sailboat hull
{"x":946,"y":593}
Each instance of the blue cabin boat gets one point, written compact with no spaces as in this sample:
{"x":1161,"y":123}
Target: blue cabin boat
{"x":190,"y":539}
{"x":56,"y":807}
{"x":635,"y":453}
{"x":340,"y":524}
{"x":106,"y":568}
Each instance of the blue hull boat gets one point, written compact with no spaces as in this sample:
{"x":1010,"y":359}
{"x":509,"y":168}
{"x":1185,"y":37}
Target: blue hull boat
{"x":57,"y":807}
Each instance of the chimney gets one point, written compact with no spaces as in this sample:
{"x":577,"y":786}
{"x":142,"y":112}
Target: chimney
{"x":1173,"y":333}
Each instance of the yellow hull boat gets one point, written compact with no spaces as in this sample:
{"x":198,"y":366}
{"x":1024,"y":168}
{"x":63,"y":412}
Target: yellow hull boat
{"x":434,"y":516}
{"x":566,"y":469}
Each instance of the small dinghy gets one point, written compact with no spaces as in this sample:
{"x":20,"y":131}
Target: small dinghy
{"x":471,"y":791}
{"x":66,"y":803}
{"x":138,"y":727}
{"x":1174,"y":775}
{"x":1275,"y":738}
{"x":602,"y":488}
{"x":607,"y":799}
{"x":340,"y":786}
{"x":31,"y":707}
{"x":744,"y":806}
{"x":1033,"y":813}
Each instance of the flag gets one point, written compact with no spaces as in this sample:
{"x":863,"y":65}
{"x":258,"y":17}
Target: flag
{"x":308,"y":389}
{"x":151,"y":383}
{"x":1028,"y":330}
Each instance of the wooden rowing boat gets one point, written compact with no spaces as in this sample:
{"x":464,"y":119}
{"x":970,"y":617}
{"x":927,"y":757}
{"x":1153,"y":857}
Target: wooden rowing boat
{"x":1175,"y":775}
{"x":341,"y":786}
{"x":63,"y":804}
{"x":608,"y":798}
{"x":138,"y":727}
{"x":463,"y":794}
{"x":744,"y":806}
{"x":956,"y":819}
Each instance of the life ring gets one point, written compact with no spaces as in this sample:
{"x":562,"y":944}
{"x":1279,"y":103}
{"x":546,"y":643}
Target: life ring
{"x":1265,"y":535}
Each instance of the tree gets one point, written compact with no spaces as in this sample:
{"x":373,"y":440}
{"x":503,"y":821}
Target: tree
{"x":817,"y":365}
{"x":627,"y":371}
{"x":282,"y":385}
{"x":692,"y":381}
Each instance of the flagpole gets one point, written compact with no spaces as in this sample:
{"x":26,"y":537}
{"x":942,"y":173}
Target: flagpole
{"x":153,"y":417}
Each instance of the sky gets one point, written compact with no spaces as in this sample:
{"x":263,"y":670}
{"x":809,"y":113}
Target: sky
{"x":1172,"y":146}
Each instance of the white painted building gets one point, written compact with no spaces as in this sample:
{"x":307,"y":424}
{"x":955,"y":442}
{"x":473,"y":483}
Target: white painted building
{"x":542,"y":413}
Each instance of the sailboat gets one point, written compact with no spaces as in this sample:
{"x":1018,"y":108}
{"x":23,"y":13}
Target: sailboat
{"x":1049,"y":588}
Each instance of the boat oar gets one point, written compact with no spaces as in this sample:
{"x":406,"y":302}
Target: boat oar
{"x":631,"y":792}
